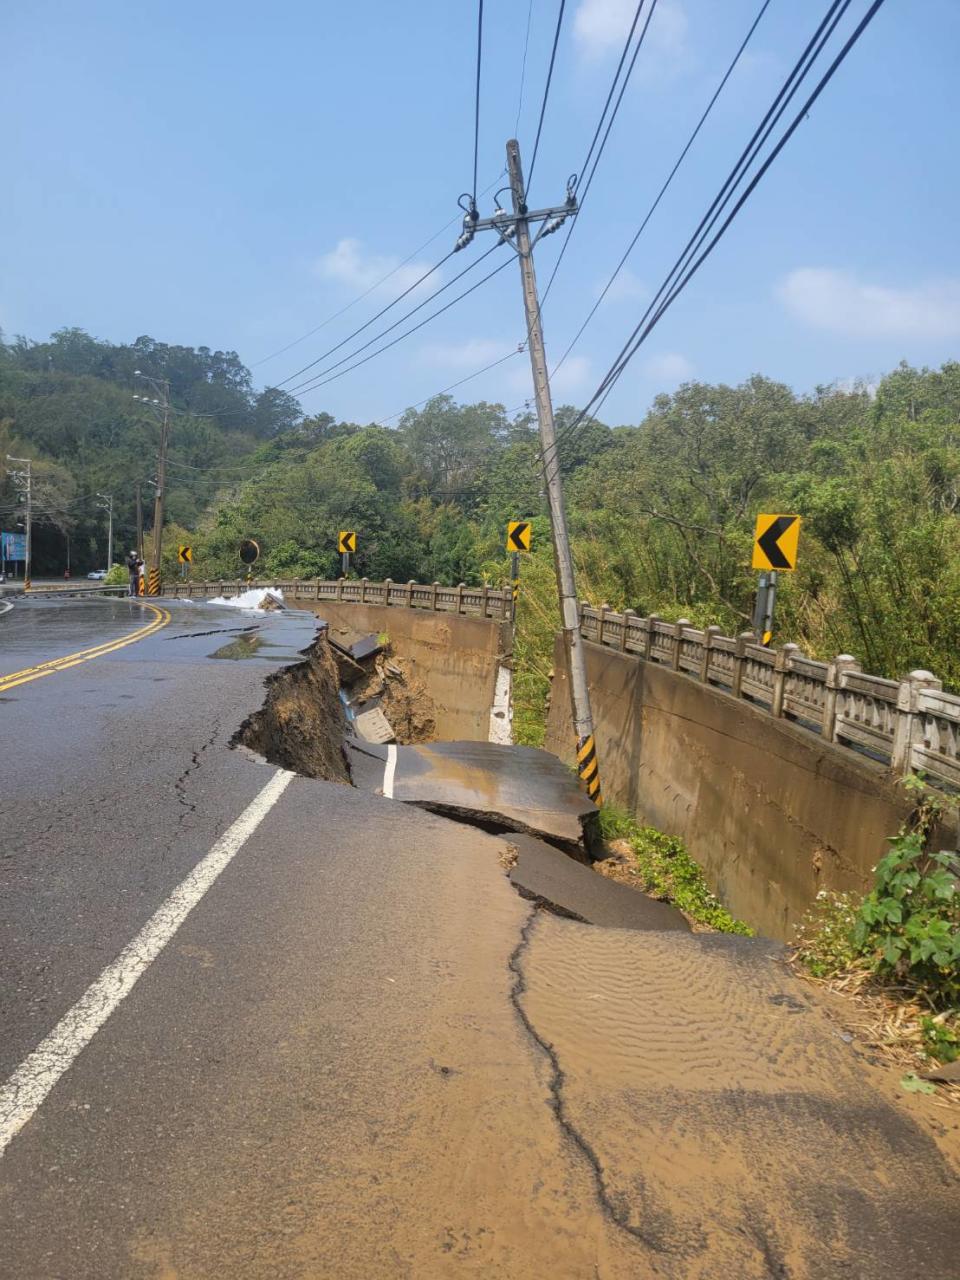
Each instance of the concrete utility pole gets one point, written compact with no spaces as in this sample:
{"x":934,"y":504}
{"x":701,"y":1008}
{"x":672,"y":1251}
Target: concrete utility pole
{"x":107,"y":505}
{"x":25,"y":479}
{"x":161,"y":404}
{"x":139,"y":521}
{"x":517,"y":226}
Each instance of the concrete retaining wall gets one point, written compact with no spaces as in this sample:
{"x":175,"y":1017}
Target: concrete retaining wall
{"x":770,"y":812}
{"x":457,"y":658}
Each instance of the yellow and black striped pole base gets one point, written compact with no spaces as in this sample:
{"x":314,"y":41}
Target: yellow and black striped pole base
{"x":141,"y":585}
{"x":153,"y":583}
{"x":588,"y":768}
{"x":26,"y":584}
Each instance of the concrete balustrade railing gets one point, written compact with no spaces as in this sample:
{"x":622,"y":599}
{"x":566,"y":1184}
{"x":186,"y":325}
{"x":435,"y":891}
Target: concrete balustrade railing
{"x":909,"y":725}
{"x":482,"y":602}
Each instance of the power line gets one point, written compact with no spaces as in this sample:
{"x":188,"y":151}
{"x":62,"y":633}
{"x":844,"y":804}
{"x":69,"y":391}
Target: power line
{"x":546,"y":92}
{"x":396,"y":324}
{"x":663,"y":190}
{"x":453,"y":385}
{"x":523,"y":68}
{"x":476,"y":114}
{"x":613,"y":116}
{"x":321,"y":380}
{"x":371,"y":289}
{"x":372,"y":320}
{"x":684,"y":267}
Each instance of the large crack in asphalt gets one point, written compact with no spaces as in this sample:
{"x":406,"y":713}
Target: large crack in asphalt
{"x":614,"y":1209}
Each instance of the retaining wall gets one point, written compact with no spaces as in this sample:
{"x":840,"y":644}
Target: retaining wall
{"x":457,"y":658}
{"x":771,"y":812}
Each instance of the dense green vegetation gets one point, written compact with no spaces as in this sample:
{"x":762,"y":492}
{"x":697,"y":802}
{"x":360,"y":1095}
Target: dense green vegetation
{"x":666,"y":871}
{"x":905,"y":933}
{"x":661,"y":512}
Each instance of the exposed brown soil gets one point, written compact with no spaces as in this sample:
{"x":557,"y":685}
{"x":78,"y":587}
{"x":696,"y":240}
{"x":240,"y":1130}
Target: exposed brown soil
{"x":301,"y":724}
{"x":403,"y":698}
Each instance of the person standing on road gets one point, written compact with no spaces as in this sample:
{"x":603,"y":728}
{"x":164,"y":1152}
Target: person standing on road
{"x":133,"y":569}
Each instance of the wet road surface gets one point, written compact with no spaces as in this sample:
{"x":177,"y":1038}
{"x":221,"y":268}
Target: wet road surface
{"x":361,"y":1053}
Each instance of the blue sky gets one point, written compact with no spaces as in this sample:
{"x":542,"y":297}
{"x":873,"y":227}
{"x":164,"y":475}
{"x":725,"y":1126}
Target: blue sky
{"x":232,"y":174}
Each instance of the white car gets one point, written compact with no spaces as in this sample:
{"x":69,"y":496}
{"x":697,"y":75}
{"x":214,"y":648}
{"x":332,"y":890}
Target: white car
{"x":97,"y":575}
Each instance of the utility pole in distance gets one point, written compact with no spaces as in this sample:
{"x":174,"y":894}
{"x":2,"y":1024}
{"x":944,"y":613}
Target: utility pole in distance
{"x":25,"y":478}
{"x":161,"y":404}
{"x":517,"y":225}
{"x":107,"y":505}
{"x":139,"y":521}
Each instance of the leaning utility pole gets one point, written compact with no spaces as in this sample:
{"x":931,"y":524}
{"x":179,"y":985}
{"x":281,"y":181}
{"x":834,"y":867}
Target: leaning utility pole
{"x":518,"y":225}
{"x":107,"y":505}
{"x":25,"y":479}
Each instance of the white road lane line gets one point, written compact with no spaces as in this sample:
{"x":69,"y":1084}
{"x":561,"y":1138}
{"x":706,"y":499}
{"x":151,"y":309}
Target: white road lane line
{"x":32,"y":1081}
{"x":389,"y":770}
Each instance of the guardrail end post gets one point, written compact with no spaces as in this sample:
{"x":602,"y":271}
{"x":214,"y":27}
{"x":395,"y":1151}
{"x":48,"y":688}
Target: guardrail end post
{"x":340,"y":588}
{"x":708,"y":638}
{"x":410,"y":585}
{"x":907,"y":728}
{"x":602,"y":612}
{"x":387,"y":584}
{"x":433,"y":596}
{"x":363,"y":590}
{"x":460,"y":587}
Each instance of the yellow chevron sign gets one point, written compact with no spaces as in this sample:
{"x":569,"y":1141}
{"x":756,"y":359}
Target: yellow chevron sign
{"x":775,"y":542}
{"x":347,"y":543}
{"x":519,"y":534}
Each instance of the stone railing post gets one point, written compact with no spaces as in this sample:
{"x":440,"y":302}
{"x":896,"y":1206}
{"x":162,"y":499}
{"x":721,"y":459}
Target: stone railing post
{"x":388,"y":583}
{"x":410,"y":585}
{"x":484,"y":594}
{"x":363,"y":590}
{"x":836,"y":670}
{"x":678,"y":642}
{"x":628,"y":616}
{"x":460,"y":587}
{"x":708,"y":637}
{"x":319,"y":580}
{"x":221,"y":591}
{"x":906,"y":729}
{"x":739,"y":661}
{"x":651,"y":631}
{"x":340,"y":582}
{"x":433,"y":596}
{"x":602,"y":611}
{"x":781,"y":666}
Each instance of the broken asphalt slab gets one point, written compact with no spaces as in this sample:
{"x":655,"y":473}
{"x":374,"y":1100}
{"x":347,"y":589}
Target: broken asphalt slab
{"x":550,"y":877}
{"x":512,"y":788}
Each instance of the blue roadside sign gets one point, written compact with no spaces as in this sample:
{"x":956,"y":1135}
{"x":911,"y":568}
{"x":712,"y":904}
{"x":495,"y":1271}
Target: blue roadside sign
{"x":14,"y":546}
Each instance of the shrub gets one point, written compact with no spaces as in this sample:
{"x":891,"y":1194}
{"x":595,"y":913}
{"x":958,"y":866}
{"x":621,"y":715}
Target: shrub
{"x":668,"y":872}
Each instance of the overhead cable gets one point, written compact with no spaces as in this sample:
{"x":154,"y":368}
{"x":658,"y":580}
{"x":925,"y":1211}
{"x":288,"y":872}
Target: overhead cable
{"x":546,"y":93}
{"x":322,"y":373}
{"x":698,"y":248}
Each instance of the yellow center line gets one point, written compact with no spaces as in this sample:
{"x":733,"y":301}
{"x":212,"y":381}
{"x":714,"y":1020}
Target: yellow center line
{"x":161,"y":618}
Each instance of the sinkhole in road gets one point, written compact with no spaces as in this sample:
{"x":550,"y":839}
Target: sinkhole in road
{"x":526,"y":797}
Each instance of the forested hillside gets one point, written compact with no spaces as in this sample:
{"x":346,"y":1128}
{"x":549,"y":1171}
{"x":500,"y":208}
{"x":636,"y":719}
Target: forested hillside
{"x":661,"y":512}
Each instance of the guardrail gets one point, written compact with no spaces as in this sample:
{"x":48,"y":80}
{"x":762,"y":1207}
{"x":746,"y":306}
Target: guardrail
{"x":80,"y":589}
{"x":908,"y":725}
{"x":482,"y":602}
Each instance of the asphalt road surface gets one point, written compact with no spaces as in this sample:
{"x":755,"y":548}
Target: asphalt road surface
{"x":255,"y":1025}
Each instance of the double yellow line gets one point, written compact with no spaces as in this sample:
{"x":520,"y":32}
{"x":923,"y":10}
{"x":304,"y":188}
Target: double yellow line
{"x":161,"y":618}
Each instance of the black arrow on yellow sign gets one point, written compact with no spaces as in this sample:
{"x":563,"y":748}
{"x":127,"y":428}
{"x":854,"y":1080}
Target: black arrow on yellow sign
{"x":518,"y":535}
{"x":347,"y":542}
{"x":775,"y":542}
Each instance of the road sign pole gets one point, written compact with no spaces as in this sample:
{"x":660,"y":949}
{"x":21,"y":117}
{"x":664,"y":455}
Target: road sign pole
{"x":515,"y":580}
{"x":587,"y":761}
{"x":345,"y":564}
{"x":760,"y":606}
{"x":771,"y":600}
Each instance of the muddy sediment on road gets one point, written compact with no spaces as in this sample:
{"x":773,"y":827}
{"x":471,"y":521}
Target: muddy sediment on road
{"x":301,"y":725}
{"x":729,"y":1129}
